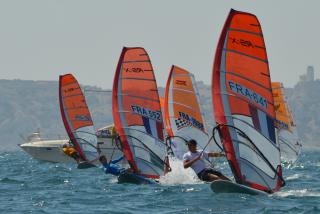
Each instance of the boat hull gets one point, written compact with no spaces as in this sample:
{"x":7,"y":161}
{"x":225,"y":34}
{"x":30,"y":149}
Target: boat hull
{"x":132,"y":178}
{"x":51,"y":151}
{"x":47,"y":152}
{"x":221,"y":186}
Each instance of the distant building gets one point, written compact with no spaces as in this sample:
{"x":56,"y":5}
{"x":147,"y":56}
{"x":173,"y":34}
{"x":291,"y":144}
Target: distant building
{"x":309,"y":76}
{"x":310,"y":73}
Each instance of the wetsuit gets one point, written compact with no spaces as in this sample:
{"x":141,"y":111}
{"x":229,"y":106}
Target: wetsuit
{"x":113,"y":168}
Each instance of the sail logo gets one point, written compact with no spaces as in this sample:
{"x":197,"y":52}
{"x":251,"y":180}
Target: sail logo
{"x":82,"y":118}
{"x":281,"y":124}
{"x":249,"y":94}
{"x":242,"y":42}
{"x":181,"y":82}
{"x":151,"y":114}
{"x":134,"y":70}
{"x":191,"y":120}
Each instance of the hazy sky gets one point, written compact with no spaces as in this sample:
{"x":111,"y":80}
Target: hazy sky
{"x":41,"y":39}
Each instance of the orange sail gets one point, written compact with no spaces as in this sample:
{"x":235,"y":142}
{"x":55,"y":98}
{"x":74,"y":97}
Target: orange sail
{"x":283,"y":114}
{"x":289,"y":141}
{"x":137,"y":113}
{"x":243,"y":103}
{"x":76,"y":118}
{"x":184,"y":118}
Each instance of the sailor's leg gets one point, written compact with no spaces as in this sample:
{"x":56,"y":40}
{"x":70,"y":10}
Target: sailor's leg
{"x":222,"y":177}
{"x":211,"y":177}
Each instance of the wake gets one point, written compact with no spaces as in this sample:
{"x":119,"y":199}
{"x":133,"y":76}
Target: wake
{"x":178,"y":174}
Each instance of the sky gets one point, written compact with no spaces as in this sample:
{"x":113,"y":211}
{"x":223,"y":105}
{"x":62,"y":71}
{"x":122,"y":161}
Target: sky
{"x":42,"y":39}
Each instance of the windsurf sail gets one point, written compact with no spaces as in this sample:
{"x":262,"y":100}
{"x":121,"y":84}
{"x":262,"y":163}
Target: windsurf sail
{"x":243,"y":104}
{"x":184,"y":118}
{"x":289,"y":142}
{"x":76,"y":118}
{"x":137,"y":113}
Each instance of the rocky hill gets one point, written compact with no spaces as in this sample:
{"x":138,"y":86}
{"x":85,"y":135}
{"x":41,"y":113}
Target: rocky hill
{"x":26,"y":106}
{"x":304,"y":100}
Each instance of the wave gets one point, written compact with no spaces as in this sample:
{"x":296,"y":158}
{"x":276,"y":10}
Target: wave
{"x":11,"y":181}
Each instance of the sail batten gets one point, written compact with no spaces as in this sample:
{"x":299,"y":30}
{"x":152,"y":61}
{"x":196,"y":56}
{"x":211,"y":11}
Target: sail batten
{"x":245,"y":31}
{"x":243,"y":103}
{"x":245,"y":55}
{"x":246,"y":78}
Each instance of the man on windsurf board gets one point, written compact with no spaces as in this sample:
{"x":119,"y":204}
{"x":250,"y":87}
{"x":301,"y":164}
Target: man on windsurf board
{"x":111,"y":167}
{"x":195,"y":159}
{"x":71,"y":152}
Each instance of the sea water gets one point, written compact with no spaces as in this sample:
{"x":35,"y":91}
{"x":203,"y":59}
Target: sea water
{"x":31,"y":186}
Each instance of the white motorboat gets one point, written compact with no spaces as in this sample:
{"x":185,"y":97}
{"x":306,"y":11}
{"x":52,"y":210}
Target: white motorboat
{"x":45,"y":150}
{"x":51,"y":150}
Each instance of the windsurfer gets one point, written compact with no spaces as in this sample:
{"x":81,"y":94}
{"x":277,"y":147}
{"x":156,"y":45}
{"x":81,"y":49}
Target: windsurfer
{"x":112,"y":167}
{"x":195,"y":159}
{"x":71,"y":152}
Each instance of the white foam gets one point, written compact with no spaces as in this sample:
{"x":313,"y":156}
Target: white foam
{"x":297,"y":193}
{"x":293,"y":177}
{"x":113,"y":180}
{"x":179,"y":175}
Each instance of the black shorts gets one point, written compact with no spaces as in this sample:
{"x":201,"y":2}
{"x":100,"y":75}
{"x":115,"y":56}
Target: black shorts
{"x":203,"y":175}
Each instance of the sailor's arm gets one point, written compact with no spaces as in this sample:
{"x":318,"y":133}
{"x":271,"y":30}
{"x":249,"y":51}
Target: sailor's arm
{"x":117,"y":160}
{"x":188,"y":163}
